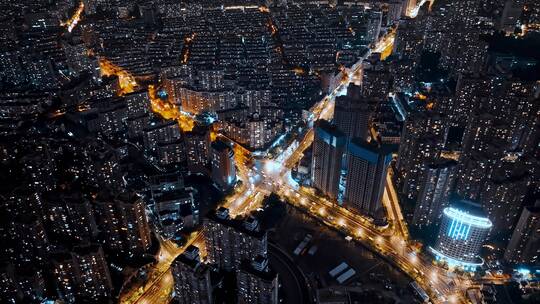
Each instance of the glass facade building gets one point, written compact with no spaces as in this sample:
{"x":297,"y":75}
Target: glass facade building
{"x":463,"y":230}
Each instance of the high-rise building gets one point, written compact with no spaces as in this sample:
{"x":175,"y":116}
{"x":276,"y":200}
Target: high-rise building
{"x":171,"y":153}
{"x":352,"y":113}
{"x":367,"y":166}
{"x":198,"y":149}
{"x":70,"y":218}
{"x":376,"y":82}
{"x":10,"y":67}
{"x":434,"y":193}
{"x":257,"y":283}
{"x":176,"y":210}
{"x":138,"y":104}
{"x":524,"y":246}
{"x":502,"y":197}
{"x":453,"y":31}
{"x":409,"y":40}
{"x":471,"y":91}
{"x":395,"y":7}
{"x":460,"y":13}
{"x":373,"y":26}
{"x":148,"y":14}
{"x":8,"y":281}
{"x":192,"y":283}
{"x":328,"y":147}
{"x":423,"y":137}
{"x":255,"y":130}
{"x":155,"y":134}
{"x":230,"y":241}
{"x":510,"y":15}
{"x":21,"y":285}
{"x":123,"y":224}
{"x":486,"y":130}
{"x":532,"y":13}
{"x":82,"y":275}
{"x":223,"y":168}
{"x":473,"y":172}
{"x":31,"y":243}
{"x":463,"y":230}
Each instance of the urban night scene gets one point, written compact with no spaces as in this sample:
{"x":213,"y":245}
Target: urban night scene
{"x":270,"y":151}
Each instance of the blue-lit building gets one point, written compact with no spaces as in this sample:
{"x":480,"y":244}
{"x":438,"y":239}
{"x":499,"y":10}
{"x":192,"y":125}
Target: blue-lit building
{"x":464,"y":228}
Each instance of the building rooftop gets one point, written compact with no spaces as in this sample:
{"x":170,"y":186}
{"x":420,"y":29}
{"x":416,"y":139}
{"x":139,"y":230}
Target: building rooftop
{"x":370,"y":151}
{"x":470,"y":212}
{"x":238,"y":224}
{"x":267,"y":274}
{"x":330,"y":134}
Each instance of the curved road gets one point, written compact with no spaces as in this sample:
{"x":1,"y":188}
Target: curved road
{"x":282,"y":263}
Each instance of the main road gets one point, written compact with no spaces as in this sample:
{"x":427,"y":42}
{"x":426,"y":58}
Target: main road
{"x":391,"y":242}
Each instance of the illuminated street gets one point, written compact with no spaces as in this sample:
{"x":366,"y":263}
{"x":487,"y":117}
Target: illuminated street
{"x":74,"y":20}
{"x":159,"y":286}
{"x":126,"y":81}
{"x":390,"y":242}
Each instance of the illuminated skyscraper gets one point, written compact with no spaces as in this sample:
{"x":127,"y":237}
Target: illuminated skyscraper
{"x":463,"y":230}
{"x":422,"y":140}
{"x":373,"y":26}
{"x":367,"y":166}
{"x":502,"y":197}
{"x":351,"y":113}
{"x":328,"y":147}
{"x":123,"y":223}
{"x":82,"y":275}
{"x":524,"y":246}
{"x":198,"y":148}
{"x":230,"y":241}
{"x":223,"y":169}
{"x":191,"y":278}
{"x":257,"y":283}
{"x":434,"y":192}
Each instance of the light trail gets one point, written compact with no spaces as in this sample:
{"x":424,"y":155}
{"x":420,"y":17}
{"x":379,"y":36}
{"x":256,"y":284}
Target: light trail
{"x":74,"y":20}
{"x":414,"y":12}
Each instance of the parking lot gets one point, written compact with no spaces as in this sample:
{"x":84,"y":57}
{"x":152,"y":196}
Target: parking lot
{"x":327,"y":249}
